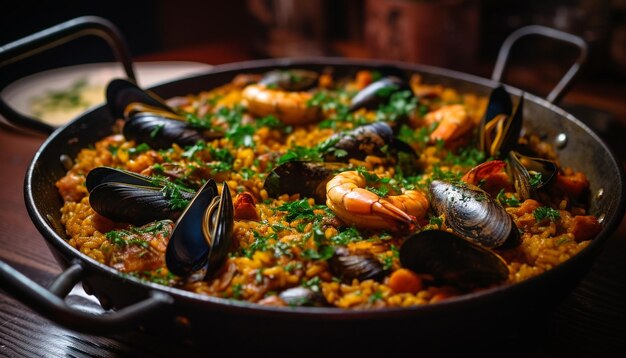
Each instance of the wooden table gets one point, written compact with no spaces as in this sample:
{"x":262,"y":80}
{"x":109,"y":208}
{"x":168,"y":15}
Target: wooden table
{"x":590,"y":322}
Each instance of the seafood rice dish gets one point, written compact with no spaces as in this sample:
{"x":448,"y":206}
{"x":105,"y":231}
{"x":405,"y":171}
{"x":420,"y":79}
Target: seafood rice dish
{"x":299,"y":188}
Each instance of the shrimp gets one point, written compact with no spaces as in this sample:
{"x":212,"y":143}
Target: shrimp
{"x":347,"y":197}
{"x":289,"y":107}
{"x":453,"y":120}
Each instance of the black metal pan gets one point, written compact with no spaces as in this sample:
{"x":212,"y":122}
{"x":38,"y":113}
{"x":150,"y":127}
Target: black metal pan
{"x":479,"y":316}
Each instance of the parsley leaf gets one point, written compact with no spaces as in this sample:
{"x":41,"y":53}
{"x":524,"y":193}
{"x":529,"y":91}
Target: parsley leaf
{"x":324,"y":252}
{"x":544,"y":212}
{"x":299,"y":209}
{"x":508,"y":201}
{"x":348,"y":235}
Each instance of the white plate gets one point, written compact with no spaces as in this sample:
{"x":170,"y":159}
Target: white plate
{"x":33,"y":95}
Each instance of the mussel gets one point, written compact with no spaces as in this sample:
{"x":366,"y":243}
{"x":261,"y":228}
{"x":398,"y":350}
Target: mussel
{"x":159,"y":132}
{"x":303,"y":296}
{"x":150,"y":120}
{"x":473,"y":213}
{"x":530,"y":174}
{"x":499,"y":131}
{"x":501,"y":126}
{"x":371,"y":139}
{"x":377,"y":93}
{"x":298,"y":177}
{"x":122,"y":92}
{"x":452,"y":259}
{"x":290,"y":80}
{"x":349,"y":266}
{"x":202,"y":234}
{"x":133,"y":198}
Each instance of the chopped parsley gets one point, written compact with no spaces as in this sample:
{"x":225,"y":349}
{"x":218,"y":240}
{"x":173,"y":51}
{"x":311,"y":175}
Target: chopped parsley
{"x":420,"y":136}
{"x":173,"y":192}
{"x":199,"y":122}
{"x":273,"y":123}
{"x":131,"y":236}
{"x":386,"y":91}
{"x":348,"y":235}
{"x":375,"y":296}
{"x":299,"y":209}
{"x":159,"y":276}
{"x":535,"y":180}
{"x":143,"y":147}
{"x":313,"y":284}
{"x":301,"y":153}
{"x":435,"y":220}
{"x":191,"y":150}
{"x":237,"y":291}
{"x":117,"y":237}
{"x":382,"y":192}
{"x":445,"y":175}
{"x":241,"y":135}
{"x":223,"y":160}
{"x":400,"y":105}
{"x":562,"y":240}
{"x":388,"y":259}
{"x":467,"y":157}
{"x":508,"y":201}
{"x":324,"y":252}
{"x":113,"y":149}
{"x":544,"y":212}
{"x":156,"y":130}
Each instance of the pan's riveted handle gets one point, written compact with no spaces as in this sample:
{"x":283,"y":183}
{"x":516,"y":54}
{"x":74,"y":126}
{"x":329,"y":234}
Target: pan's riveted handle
{"x":564,"y":84}
{"x":53,"y":37}
{"x":50,"y":302}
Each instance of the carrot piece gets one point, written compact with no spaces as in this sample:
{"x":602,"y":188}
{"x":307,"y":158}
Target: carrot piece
{"x":585,"y":227}
{"x":363,"y":78}
{"x":405,"y":281}
{"x":528,"y":206}
{"x":572,"y":185}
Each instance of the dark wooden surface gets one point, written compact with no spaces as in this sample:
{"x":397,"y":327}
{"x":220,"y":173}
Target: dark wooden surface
{"x":590,"y":322}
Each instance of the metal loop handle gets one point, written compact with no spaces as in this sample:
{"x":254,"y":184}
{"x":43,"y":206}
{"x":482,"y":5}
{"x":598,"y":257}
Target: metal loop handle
{"x":565,"y":83}
{"x":50,"y":303}
{"x":53,"y":37}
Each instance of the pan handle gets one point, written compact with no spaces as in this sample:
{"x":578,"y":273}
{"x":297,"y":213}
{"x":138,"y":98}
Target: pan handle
{"x":50,"y":302}
{"x":53,"y":37}
{"x":565,"y":83}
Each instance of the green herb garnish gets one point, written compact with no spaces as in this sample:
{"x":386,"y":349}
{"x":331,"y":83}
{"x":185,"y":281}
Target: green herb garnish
{"x":508,"y":201}
{"x":545,"y":212}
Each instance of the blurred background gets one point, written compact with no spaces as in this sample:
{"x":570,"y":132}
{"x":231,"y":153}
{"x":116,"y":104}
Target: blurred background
{"x":458,"y":34}
{"x":464,"y":35}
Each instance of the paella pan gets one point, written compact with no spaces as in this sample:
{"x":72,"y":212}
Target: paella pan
{"x":446,"y":305}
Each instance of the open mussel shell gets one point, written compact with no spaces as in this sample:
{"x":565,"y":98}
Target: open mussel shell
{"x":160,"y":132}
{"x":130,"y":203}
{"x":101,"y":175}
{"x":452,"y":260}
{"x":122,"y":92}
{"x":530,"y":174}
{"x":203,"y":233}
{"x":378,"y":92}
{"x":218,"y":230}
{"x":349,"y":266}
{"x":472,"y":212}
{"x":298,"y":177}
{"x":501,"y":126}
{"x":499,"y":103}
{"x":291,"y":80}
